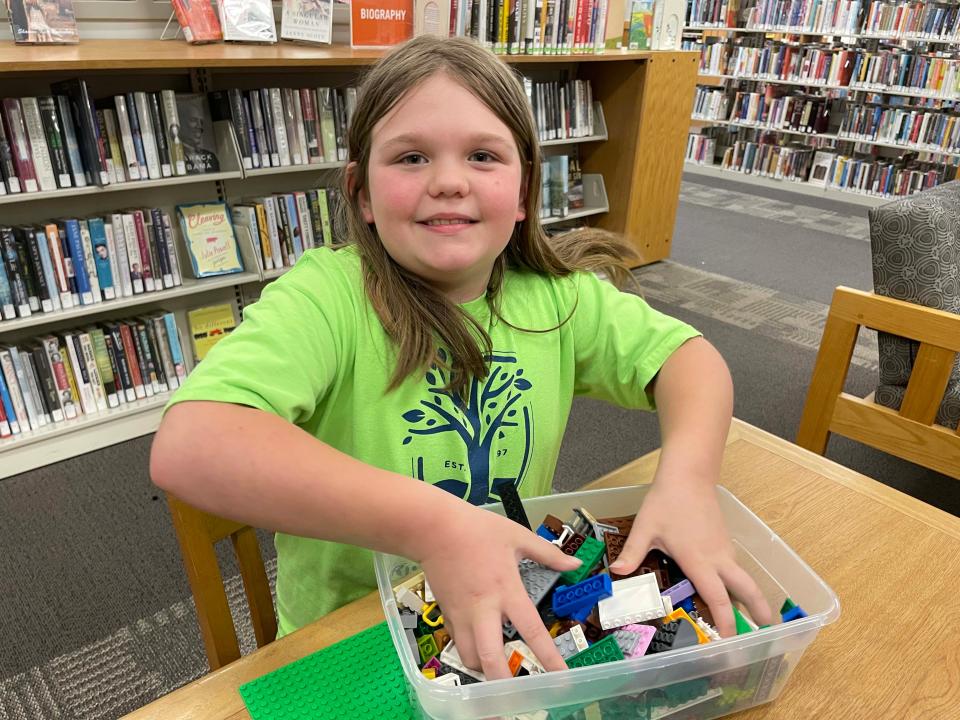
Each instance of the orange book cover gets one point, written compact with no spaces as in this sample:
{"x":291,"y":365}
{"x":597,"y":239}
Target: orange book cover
{"x":380,"y":23}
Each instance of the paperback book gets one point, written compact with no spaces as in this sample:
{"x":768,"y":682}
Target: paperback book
{"x":247,"y":20}
{"x":198,"y":20}
{"x":208,"y":326}
{"x":211,"y":242}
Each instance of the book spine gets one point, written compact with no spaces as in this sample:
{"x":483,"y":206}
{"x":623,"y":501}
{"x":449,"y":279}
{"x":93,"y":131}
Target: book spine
{"x":17,"y":405}
{"x":100,"y":258}
{"x":46,"y":263}
{"x":299,"y":126}
{"x":72,"y":145}
{"x":266,"y":105}
{"x":145,"y":256}
{"x":125,"y":364}
{"x":6,"y":411}
{"x":27,"y":242}
{"x":176,"y":348}
{"x":263,"y":233}
{"x":313,"y":200}
{"x":148,"y":384}
{"x":91,"y":144}
{"x":16,"y":273}
{"x":119,"y":266}
{"x":77,"y":263}
{"x":115,"y":143}
{"x":159,"y":134}
{"x":89,"y":360}
{"x":29,"y":390}
{"x":304,"y":219}
{"x":163,"y":252}
{"x":121,"y":372}
{"x":136,"y":133}
{"x":133,"y":252}
{"x":35,"y":377}
{"x":61,"y":385}
{"x":171,"y":125}
{"x":114,"y":171}
{"x":324,"y":202}
{"x":8,"y":170}
{"x":147,"y":134}
{"x":104,"y":366}
{"x":290,"y":124}
{"x":252,"y":99}
{"x":20,"y":144}
{"x":279,"y":126}
{"x":88,"y":262}
{"x":46,"y":383}
{"x":152,"y":361}
{"x":56,"y":142}
{"x":340,"y":123}
{"x":8,"y":311}
{"x":311,"y":126}
{"x":171,"y":248}
{"x":163,"y":348}
{"x":131,"y":161}
{"x":133,"y":361}
{"x":242,"y":127}
{"x":328,"y":127}
{"x":38,"y":144}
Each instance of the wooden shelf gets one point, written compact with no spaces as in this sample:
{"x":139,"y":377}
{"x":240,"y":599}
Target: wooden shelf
{"x":189,"y":287}
{"x":83,"y":434}
{"x":119,"y":187}
{"x":125,"y":54}
{"x":284,"y":169}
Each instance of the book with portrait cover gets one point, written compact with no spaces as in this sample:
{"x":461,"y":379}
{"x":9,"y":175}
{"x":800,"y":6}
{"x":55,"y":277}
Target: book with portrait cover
{"x":198,"y":20}
{"x":210,"y":240}
{"x":42,"y":22}
{"x":196,"y":133}
{"x":307,"y":20}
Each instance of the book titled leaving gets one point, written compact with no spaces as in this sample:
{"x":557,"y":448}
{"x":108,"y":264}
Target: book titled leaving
{"x":54,"y":379}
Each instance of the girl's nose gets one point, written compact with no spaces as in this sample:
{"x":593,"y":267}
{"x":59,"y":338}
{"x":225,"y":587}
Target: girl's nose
{"x":449,"y":178}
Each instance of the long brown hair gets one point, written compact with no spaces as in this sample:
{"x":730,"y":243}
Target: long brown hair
{"x":418,"y":318}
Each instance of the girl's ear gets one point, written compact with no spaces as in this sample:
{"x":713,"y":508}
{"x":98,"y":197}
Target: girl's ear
{"x":522,"y":205}
{"x":362,"y":197}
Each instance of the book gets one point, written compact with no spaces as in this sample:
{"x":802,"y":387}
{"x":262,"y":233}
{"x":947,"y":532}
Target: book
{"x":641,"y":24}
{"x":208,"y":326}
{"x":19,"y":144}
{"x":43,"y":22}
{"x":71,"y":143}
{"x":46,"y":177}
{"x":196,"y":134}
{"x":247,"y":20}
{"x":171,"y":119}
{"x":307,"y":20}
{"x":380,"y":23}
{"x":210,"y":240}
{"x":56,"y":140}
{"x":431,"y":17}
{"x":9,"y":180}
{"x":91,"y":143}
{"x":198,"y":20}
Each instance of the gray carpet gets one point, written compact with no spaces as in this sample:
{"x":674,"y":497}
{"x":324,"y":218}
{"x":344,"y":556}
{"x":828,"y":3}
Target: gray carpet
{"x":95,"y":612}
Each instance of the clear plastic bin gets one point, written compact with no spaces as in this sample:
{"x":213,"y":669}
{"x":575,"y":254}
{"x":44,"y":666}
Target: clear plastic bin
{"x":706,"y":681}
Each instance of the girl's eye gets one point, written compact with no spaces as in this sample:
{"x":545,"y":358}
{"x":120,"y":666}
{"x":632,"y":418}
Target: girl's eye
{"x":413,"y":159}
{"x":482,"y":156}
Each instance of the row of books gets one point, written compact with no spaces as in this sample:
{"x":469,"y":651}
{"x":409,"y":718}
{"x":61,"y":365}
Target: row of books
{"x":283,"y":226}
{"x":889,"y":70}
{"x":769,"y":159}
{"x":561,"y":183}
{"x":797,"y":112}
{"x":701,"y":148}
{"x":886,"y":178}
{"x":554,"y":27}
{"x":932,"y":131}
{"x":72,"y":262}
{"x":63,"y":140}
{"x":916,"y":19}
{"x":807,"y":16}
{"x":278,"y":127}
{"x":715,"y":13}
{"x":56,"y":378}
{"x":561,"y":109}
{"x":711,"y":103}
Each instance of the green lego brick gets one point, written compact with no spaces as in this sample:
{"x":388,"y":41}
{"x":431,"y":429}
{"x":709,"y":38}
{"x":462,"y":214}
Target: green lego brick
{"x":428,"y":648}
{"x":604,"y":651}
{"x":590,"y":553}
{"x":358,"y":677}
{"x":743,"y":627}
{"x":788,"y":605}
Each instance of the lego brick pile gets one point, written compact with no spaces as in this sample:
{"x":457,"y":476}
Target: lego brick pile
{"x":593,"y":615}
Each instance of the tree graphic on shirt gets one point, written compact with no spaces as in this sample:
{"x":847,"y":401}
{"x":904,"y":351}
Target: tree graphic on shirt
{"x":491,"y":408}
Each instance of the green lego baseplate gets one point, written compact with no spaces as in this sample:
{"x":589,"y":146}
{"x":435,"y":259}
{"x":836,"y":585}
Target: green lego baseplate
{"x":359,"y":677}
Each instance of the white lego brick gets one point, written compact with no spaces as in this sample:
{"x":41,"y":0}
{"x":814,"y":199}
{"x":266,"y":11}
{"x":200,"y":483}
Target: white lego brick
{"x":450,"y":656}
{"x":410,"y":600}
{"x":428,"y":593}
{"x":448,"y":679}
{"x":708,"y":630}
{"x":634,"y":600}
{"x":667,"y":604}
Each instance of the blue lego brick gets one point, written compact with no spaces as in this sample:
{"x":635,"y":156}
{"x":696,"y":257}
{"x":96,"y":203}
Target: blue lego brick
{"x":568,"y":599}
{"x":331,"y":683}
{"x":793,"y":614}
{"x":545,"y":532}
{"x":686,"y":605}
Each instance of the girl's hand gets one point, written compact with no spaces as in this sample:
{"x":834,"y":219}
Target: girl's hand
{"x":472,"y":567}
{"x":681,"y":517}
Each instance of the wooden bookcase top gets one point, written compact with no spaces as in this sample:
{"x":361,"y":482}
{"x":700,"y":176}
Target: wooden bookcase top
{"x":167,"y":54}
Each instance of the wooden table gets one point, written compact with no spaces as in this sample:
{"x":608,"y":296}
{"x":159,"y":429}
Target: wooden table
{"x":894,"y":562}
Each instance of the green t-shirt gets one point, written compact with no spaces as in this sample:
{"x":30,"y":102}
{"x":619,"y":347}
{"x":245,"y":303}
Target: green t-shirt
{"x":312,"y":351}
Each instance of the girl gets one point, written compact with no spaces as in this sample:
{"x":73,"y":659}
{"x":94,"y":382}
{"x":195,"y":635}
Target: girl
{"x":373,"y":389}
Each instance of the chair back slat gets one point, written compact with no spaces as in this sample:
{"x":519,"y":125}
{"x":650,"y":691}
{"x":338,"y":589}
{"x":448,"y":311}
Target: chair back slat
{"x":910,"y":433}
{"x":928,"y":381}
{"x":197,"y":533}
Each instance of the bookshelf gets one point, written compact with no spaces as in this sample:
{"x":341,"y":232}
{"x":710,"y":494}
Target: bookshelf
{"x":642,"y":100}
{"x":846,"y":58}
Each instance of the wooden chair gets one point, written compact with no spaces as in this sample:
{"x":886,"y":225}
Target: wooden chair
{"x":198,"y":532}
{"x":910,"y":433}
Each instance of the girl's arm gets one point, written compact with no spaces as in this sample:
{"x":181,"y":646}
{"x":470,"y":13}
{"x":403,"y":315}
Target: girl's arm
{"x":681,"y":514}
{"x":254,"y":467}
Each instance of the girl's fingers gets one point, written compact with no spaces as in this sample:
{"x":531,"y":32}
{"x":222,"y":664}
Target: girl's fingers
{"x":488,"y":638}
{"x":466,"y":648}
{"x":710,"y":587}
{"x":634,"y":551}
{"x":745,"y":589}
{"x":525,"y":618}
{"x":549,"y":555}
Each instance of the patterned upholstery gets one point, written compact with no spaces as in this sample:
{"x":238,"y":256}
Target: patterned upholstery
{"x":916,"y":257}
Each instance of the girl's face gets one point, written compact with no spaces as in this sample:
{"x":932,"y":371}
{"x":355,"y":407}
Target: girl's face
{"x":445,"y":186}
